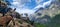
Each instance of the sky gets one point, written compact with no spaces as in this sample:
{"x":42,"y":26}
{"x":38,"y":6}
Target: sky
{"x":29,"y":6}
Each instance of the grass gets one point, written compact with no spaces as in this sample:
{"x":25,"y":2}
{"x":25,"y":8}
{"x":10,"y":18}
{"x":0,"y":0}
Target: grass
{"x":40,"y":25}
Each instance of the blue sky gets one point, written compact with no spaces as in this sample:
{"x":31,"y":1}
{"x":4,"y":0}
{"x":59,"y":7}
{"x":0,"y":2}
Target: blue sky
{"x":29,"y":6}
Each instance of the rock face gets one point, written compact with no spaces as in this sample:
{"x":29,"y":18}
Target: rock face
{"x":19,"y":23}
{"x":4,"y":20}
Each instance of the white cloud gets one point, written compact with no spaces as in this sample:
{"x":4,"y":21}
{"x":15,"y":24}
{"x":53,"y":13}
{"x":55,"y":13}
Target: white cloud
{"x":21,"y":1}
{"x":15,"y":3}
{"x":25,"y":11}
{"x":47,"y":3}
{"x":38,"y":6}
{"x":38,"y":1}
{"x":44,"y":4}
{"x":20,"y":5}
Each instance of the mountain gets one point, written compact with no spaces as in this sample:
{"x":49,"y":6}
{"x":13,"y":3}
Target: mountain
{"x":46,"y":14}
{"x":51,"y":11}
{"x":41,"y":8}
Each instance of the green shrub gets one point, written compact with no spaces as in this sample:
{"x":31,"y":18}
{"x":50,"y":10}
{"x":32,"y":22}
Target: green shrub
{"x":55,"y":21}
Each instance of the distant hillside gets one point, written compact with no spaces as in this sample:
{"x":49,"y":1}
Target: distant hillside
{"x":53,"y":10}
